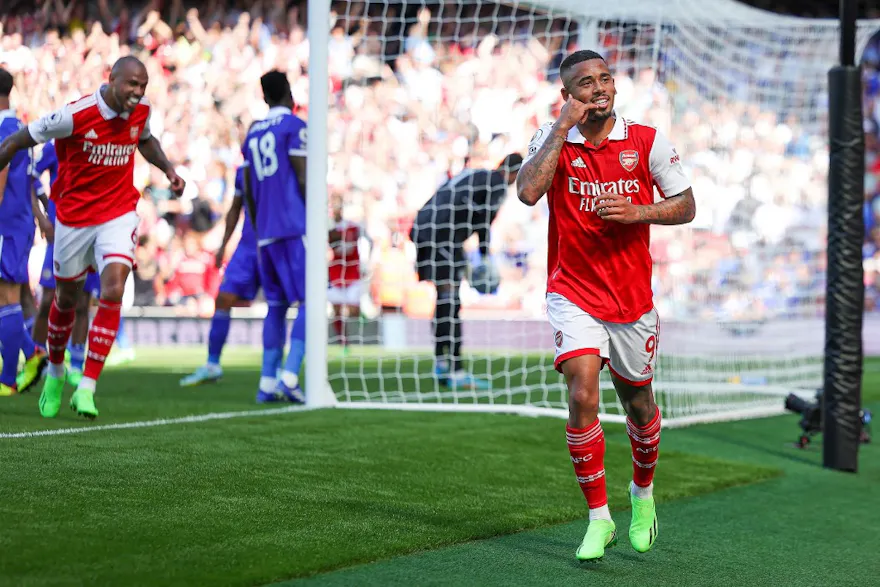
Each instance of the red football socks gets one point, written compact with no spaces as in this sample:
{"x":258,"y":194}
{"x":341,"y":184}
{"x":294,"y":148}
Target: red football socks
{"x":102,"y":334}
{"x":587,"y":449}
{"x":60,"y":327}
{"x":645,"y":442}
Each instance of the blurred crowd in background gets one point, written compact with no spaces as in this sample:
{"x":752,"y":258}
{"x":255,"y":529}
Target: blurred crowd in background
{"x":418,"y":93}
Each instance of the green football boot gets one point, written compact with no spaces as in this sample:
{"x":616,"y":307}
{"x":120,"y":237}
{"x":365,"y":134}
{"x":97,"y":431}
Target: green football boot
{"x":33,"y":371}
{"x":601,"y":534}
{"x":74,"y":376}
{"x":50,"y":399}
{"x":643,"y":528}
{"x":83,"y":403}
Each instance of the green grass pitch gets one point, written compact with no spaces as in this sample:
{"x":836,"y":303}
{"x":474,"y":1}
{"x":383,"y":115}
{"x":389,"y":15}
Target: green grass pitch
{"x":349,"y":497}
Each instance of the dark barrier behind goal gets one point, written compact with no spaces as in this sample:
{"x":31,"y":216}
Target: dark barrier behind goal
{"x":846,"y":232}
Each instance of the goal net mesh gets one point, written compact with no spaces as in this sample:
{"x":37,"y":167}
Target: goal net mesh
{"x":422,"y":91}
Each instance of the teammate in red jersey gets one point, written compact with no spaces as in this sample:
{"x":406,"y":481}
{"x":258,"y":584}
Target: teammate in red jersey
{"x":96,"y":223}
{"x":344,"y":291}
{"x":599,"y":172}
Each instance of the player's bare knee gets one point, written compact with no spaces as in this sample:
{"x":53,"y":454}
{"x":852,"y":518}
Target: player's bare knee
{"x":113,"y":286}
{"x":66,"y":294}
{"x":82,"y":306}
{"x":638,"y":402}
{"x":113,"y":292}
{"x":582,"y":377}
{"x":45,"y":304}
{"x":113,"y":278}
{"x":583,"y":392}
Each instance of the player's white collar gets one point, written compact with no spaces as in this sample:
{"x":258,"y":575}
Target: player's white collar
{"x":619,"y":132}
{"x":278,"y":111}
{"x":105,"y":110}
{"x":8,"y":113}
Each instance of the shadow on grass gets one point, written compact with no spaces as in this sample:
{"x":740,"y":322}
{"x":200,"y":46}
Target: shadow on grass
{"x":787,"y":452}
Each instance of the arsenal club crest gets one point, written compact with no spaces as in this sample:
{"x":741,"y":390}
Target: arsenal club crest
{"x":134,"y":134}
{"x":629,"y":159}
{"x":558,"y":337}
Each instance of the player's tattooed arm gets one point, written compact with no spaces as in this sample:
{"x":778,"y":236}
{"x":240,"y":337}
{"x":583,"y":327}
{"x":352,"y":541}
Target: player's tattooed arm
{"x":536,"y":174}
{"x":14,"y":143}
{"x":678,"y":209}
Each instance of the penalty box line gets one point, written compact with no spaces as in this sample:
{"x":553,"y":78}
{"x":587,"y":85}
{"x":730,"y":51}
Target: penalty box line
{"x":153,"y":423}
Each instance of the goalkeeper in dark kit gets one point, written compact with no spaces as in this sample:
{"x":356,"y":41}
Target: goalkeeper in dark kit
{"x":464,"y":205}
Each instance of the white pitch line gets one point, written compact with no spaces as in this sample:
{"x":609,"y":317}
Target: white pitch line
{"x":160,"y":422}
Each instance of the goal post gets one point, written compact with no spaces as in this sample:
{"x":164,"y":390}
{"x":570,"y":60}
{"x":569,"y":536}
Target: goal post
{"x":318,"y":392}
{"x":419,"y":91}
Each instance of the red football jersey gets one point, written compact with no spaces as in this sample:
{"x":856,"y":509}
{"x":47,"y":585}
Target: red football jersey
{"x":345,"y":268}
{"x":195,"y":274}
{"x":602,"y":266}
{"x":95,"y":147}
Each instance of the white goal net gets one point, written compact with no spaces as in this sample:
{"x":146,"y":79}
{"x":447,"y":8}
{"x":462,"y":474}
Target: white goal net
{"x":421,"y":91}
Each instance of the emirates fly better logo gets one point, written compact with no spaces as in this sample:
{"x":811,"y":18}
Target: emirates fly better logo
{"x":629,"y":159}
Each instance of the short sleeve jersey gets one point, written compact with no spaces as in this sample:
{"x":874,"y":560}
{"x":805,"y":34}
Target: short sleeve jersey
{"x":95,"y":146}
{"x":280,"y":207}
{"x":604,"y":267}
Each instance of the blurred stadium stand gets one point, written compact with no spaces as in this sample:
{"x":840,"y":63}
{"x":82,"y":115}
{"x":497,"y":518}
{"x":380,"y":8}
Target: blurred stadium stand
{"x":205,"y":59}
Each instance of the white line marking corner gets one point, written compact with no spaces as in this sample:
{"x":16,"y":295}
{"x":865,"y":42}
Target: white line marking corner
{"x":160,"y":422}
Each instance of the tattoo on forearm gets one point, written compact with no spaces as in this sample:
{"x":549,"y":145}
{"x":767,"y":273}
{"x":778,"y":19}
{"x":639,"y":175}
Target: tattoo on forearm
{"x":539,"y":171}
{"x":678,"y":209}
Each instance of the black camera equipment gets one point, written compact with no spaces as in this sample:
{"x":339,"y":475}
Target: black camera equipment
{"x":811,"y":418}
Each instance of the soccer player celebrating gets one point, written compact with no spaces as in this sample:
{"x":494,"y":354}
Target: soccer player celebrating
{"x":599,"y":172}
{"x":241,"y":282}
{"x":464,"y":205}
{"x":96,"y":223}
{"x":47,"y":160}
{"x":16,"y":239}
{"x":275,"y":189}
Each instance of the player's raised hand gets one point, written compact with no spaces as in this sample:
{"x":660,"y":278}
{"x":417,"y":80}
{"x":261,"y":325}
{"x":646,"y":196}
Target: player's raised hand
{"x":177,"y":183}
{"x":574,"y":112}
{"x":616,"y":208}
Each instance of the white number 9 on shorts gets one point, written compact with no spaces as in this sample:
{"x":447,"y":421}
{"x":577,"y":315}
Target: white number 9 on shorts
{"x":630,"y":349}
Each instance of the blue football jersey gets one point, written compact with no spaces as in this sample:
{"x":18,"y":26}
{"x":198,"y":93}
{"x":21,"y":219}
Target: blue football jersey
{"x":280,"y":207}
{"x":248,"y":236}
{"x":47,"y":160}
{"x":16,"y":214}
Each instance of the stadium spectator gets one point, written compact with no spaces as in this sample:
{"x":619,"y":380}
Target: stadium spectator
{"x":417,"y":95}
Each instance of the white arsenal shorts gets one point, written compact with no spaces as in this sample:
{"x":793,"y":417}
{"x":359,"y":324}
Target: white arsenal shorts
{"x":77,"y":250}
{"x":345,"y":296}
{"x":629,"y":349}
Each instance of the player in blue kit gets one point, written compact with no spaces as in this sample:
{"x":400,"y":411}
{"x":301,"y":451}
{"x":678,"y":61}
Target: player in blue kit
{"x":241,"y":282}
{"x":16,"y":239}
{"x":274,"y":188}
{"x":47,"y":160}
